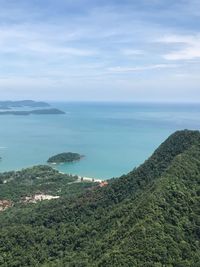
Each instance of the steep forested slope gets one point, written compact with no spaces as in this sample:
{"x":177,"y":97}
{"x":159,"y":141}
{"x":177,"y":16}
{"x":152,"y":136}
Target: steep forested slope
{"x":150,"y":217}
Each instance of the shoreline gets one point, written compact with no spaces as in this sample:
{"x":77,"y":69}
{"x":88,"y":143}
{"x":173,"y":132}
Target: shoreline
{"x":84,"y":178}
{"x":79,"y":177}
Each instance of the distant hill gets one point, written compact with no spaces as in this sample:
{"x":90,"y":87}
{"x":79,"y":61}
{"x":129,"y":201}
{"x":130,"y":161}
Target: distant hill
{"x":17,"y":108}
{"x":22,"y":103}
{"x":48,"y":111}
{"x":147,"y":218}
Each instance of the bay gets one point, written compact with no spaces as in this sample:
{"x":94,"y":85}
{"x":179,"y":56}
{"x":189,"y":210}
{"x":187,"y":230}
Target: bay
{"x":114,"y":137}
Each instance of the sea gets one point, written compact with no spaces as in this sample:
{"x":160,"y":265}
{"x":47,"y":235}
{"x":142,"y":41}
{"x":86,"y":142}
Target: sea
{"x":113,"y":137}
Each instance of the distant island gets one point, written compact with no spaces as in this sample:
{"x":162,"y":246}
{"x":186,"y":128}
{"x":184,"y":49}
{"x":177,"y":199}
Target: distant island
{"x":64,"y":157}
{"x":22,"y":103}
{"x":27,"y":107}
{"x":50,"y":111}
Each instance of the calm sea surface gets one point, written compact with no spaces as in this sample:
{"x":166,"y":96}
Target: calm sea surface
{"x":114,"y":138}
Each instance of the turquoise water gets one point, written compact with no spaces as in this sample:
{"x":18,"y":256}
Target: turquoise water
{"x":115,"y":138}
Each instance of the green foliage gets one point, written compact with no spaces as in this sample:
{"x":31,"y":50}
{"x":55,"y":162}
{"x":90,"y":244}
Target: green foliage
{"x":38,"y":179}
{"x":148,"y":218}
{"x":64,"y":157}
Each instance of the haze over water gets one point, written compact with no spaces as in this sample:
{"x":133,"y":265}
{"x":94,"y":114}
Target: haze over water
{"x":114,"y":137}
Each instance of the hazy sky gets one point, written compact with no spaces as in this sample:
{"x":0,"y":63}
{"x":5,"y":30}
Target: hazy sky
{"x":113,"y":50}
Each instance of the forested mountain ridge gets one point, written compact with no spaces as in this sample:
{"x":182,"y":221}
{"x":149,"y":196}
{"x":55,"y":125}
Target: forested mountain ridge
{"x":158,"y":163}
{"x":150,"y":217}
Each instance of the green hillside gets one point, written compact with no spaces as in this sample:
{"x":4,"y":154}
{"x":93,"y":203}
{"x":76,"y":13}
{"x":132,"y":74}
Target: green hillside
{"x":15,"y":185}
{"x":147,"y":218}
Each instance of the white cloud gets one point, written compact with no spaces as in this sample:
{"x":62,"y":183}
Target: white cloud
{"x":25,"y":40}
{"x":190,"y":47}
{"x":142,"y":68}
{"x":43,"y":48}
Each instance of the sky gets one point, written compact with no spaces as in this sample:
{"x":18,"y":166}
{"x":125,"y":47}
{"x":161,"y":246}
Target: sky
{"x":100,"y":50}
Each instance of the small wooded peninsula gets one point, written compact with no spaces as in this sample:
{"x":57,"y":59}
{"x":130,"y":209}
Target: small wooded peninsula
{"x":65,"y":157}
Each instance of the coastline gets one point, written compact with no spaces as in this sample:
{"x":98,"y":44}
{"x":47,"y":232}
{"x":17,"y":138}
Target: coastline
{"x":84,"y":178}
